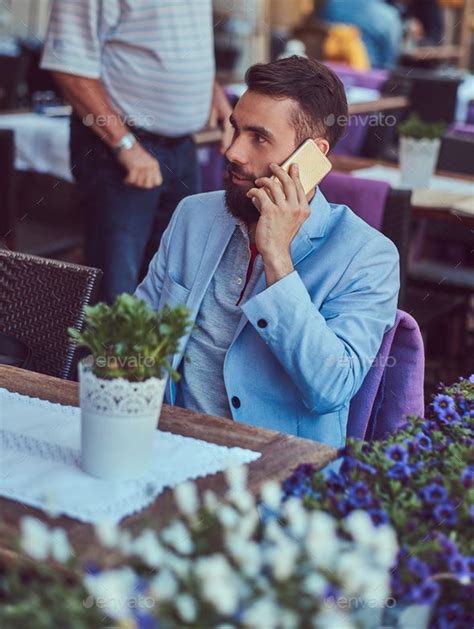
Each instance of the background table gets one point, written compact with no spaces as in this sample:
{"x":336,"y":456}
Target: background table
{"x":280,"y":454}
{"x":440,"y":213}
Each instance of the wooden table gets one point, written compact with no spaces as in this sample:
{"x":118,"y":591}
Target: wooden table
{"x":280,"y":454}
{"x":348,"y":164}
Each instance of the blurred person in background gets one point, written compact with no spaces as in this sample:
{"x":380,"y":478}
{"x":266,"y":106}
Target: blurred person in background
{"x":425,"y":18}
{"x":140,"y":78}
{"x":380,"y":25}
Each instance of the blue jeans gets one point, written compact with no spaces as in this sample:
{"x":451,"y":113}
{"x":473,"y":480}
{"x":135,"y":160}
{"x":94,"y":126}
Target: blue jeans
{"x":379,"y":23}
{"x":124,"y":224}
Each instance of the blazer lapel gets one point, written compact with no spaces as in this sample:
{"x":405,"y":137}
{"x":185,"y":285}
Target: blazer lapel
{"x":301,"y":246}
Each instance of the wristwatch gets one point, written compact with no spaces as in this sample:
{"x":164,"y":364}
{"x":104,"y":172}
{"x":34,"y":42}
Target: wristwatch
{"x":126,"y":142}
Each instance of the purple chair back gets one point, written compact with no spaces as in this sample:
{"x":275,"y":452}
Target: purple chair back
{"x":393,"y":386}
{"x":460,"y":127}
{"x":353,"y":139}
{"x":365,"y":197}
{"x":373,"y":79}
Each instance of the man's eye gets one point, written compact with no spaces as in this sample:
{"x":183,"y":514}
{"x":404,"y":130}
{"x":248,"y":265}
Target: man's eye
{"x":259,"y":139}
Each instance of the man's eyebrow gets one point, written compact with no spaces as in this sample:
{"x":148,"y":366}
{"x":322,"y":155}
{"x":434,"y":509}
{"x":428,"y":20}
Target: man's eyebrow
{"x":254,"y":128}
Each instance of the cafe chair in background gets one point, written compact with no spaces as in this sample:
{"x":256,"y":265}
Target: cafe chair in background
{"x":389,"y":211}
{"x":39,"y":300}
{"x":393,"y":387}
{"x":383,"y":208}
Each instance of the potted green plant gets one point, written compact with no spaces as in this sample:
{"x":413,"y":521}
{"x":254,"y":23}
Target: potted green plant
{"x":419,"y":150}
{"x":122,"y":382}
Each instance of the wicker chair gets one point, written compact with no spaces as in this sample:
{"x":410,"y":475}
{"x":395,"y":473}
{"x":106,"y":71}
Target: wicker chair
{"x":39,"y":300}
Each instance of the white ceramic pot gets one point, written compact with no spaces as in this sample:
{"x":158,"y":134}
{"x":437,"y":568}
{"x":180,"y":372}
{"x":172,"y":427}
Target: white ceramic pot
{"x":118,"y":421}
{"x":418,"y":159}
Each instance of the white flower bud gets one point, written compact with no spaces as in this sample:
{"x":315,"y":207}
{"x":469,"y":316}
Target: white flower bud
{"x":186,"y":498}
{"x":271,"y":494}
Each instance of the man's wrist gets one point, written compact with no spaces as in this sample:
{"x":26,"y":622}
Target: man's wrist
{"x":125,"y":143}
{"x":277,"y":266}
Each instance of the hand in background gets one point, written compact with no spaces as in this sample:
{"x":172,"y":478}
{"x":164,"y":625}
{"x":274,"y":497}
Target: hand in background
{"x":143,"y":170}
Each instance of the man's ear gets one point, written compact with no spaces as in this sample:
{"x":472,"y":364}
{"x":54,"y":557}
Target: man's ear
{"x":323,"y":145}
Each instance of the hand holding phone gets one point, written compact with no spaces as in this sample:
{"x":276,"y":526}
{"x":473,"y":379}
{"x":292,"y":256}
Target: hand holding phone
{"x":312,"y":163}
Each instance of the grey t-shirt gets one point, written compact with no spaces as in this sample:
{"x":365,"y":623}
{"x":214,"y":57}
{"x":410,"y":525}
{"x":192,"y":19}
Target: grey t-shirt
{"x":201,"y":387}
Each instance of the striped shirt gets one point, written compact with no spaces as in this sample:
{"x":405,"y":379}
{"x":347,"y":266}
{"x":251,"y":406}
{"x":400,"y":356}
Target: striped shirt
{"x":154,"y":57}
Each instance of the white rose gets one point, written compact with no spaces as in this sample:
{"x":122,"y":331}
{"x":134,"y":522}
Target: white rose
{"x":186,"y":607}
{"x":263,"y":608}
{"x":270,"y":494}
{"x":113,"y":591}
{"x":147,"y":547}
{"x":236,"y":477}
{"x":332,"y":619}
{"x":177,"y":536}
{"x":107,"y":532}
{"x":297,"y":516}
{"x":60,"y":548}
{"x":164,"y":586}
{"x":35,"y":538}
{"x":186,"y":498}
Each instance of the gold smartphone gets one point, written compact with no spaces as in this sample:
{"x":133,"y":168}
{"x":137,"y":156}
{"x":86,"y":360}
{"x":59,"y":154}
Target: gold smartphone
{"x":312,"y":162}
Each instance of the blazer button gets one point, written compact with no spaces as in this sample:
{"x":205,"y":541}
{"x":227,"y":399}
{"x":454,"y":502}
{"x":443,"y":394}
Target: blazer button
{"x":235,"y":402}
{"x":262,"y":323}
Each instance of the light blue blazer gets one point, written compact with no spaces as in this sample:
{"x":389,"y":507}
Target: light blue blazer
{"x":303,"y":345}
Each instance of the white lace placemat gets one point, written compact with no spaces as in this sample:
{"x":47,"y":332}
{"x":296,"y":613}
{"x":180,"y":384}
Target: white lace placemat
{"x":40,"y":463}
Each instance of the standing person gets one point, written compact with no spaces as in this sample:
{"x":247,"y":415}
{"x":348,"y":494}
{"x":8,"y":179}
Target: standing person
{"x":140,"y":77}
{"x":379,"y":23}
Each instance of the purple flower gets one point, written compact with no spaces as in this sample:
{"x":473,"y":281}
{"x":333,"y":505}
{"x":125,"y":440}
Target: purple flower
{"x":360,"y":495}
{"x":471,"y":378}
{"x":348,"y":464}
{"x":399,"y":472}
{"x":450,"y":548}
{"x":445,"y":514}
{"x":365,"y":467}
{"x":470,"y":565}
{"x":378,"y":516}
{"x":467,"y":477}
{"x":471,"y":512}
{"x":427,"y":593}
{"x":459,"y":565}
{"x":345,"y":506}
{"x":443,"y":402}
{"x":305,"y":470}
{"x":449,"y":417}
{"x":434,"y":493}
{"x":397,"y":453}
{"x":423,"y":441}
{"x":448,"y":615}
{"x":335,"y":482}
{"x":418,"y":567}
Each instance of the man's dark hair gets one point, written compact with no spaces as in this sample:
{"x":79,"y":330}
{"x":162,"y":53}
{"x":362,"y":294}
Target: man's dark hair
{"x":318,"y":92}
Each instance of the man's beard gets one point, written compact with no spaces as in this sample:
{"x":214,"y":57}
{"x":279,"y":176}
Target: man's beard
{"x":237,"y":203}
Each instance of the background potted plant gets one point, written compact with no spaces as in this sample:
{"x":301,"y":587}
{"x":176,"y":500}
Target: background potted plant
{"x":122,"y":382}
{"x":419,"y":150}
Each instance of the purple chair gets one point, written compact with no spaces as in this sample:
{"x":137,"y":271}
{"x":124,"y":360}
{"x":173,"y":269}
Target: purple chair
{"x":393,"y":386}
{"x":365,"y":197}
{"x":212,"y":167}
{"x":373,"y":79}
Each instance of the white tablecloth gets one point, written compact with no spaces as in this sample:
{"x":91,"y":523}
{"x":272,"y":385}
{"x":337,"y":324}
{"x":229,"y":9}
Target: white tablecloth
{"x":40,"y":454}
{"x":444,"y":192}
{"x":41,"y":143}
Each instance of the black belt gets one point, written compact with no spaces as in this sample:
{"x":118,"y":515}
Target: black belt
{"x":157,"y":137}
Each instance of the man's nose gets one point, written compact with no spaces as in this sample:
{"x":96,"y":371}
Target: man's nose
{"x":236,"y":152}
